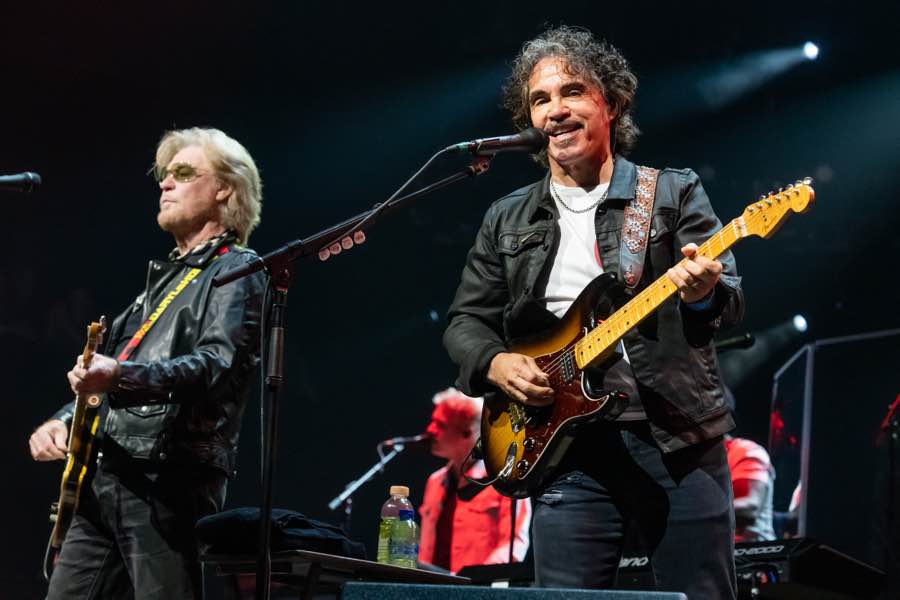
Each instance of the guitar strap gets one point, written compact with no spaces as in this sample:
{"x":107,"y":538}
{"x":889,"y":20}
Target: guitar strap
{"x":636,"y":226}
{"x":139,"y":335}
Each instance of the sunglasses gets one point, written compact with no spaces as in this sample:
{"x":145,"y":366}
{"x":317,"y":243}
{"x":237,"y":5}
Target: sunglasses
{"x":182,"y":172}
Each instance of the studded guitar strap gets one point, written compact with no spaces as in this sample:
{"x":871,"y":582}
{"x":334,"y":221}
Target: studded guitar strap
{"x":636,"y":227}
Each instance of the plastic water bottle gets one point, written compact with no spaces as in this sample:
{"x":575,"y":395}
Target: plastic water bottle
{"x":398,"y":534}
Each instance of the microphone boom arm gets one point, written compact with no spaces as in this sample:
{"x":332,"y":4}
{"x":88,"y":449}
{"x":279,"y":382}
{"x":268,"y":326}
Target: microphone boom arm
{"x":365,"y":477}
{"x":311,"y":245}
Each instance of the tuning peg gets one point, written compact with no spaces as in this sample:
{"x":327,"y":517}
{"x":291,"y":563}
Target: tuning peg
{"x":763,"y":196}
{"x":807,"y":180}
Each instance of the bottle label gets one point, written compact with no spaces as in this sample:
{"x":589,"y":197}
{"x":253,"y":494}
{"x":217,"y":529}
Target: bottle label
{"x":404,"y":545}
{"x":385,"y":529}
{"x":406,"y":514}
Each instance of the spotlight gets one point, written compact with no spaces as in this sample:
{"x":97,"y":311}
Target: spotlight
{"x":810,"y":50}
{"x":740,"y":365}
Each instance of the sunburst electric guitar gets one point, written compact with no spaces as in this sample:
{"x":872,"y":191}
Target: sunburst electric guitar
{"x":79,"y":459}
{"x":521,"y":443}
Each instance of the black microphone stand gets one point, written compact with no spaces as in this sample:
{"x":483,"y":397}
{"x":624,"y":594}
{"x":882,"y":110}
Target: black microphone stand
{"x":277,"y":265}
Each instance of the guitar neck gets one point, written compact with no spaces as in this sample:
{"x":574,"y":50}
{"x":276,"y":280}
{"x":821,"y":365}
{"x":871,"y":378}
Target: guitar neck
{"x":605,"y":336}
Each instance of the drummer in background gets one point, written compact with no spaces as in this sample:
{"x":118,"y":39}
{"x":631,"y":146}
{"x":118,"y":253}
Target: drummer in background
{"x":462,"y":523}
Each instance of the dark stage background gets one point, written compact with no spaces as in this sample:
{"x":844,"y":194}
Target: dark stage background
{"x":339,"y":103}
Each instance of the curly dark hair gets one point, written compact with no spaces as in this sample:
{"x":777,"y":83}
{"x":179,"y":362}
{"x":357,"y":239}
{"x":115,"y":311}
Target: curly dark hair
{"x":596,"y":61}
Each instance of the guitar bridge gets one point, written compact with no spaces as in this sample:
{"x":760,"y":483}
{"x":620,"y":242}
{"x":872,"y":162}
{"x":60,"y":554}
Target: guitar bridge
{"x":517,"y":416}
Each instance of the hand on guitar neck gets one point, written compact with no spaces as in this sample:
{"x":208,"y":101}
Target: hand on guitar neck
{"x":101,"y":376}
{"x":695,"y":276}
{"x":520,"y":378}
{"x":49,"y":441}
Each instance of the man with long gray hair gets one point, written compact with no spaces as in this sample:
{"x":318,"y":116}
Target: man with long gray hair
{"x":173,"y":374}
{"x":655,"y":469}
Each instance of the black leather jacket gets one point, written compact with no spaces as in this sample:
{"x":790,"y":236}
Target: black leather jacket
{"x":671,"y":352}
{"x":182,"y":392}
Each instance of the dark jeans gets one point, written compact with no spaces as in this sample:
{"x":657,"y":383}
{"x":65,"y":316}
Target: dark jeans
{"x":133,"y":536}
{"x":615,"y":481}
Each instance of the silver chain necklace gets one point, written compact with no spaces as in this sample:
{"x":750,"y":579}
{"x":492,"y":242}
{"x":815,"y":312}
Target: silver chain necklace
{"x":558,"y":198}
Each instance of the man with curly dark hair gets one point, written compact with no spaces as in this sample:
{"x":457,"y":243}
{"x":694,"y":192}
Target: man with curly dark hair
{"x":655,"y":469}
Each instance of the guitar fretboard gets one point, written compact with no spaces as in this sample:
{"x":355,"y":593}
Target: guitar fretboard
{"x":606,"y":335}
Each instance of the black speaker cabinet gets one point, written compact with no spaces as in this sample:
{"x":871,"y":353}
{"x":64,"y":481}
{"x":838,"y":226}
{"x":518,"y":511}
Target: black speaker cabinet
{"x":400,"y":591}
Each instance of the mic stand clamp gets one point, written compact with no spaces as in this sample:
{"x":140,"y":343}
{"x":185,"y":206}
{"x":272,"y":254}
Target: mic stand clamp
{"x":345,"y":498}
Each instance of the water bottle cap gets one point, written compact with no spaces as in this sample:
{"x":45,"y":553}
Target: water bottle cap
{"x":400,"y":490}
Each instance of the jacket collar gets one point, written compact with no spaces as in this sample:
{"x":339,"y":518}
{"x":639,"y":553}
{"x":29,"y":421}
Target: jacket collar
{"x":621,"y":187}
{"x":203,"y":253}
{"x":544,"y":203}
{"x":624,"y":180}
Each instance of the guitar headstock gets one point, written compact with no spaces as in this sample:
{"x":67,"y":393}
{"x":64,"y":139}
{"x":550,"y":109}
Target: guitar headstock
{"x":95,"y":333}
{"x":764,"y":217}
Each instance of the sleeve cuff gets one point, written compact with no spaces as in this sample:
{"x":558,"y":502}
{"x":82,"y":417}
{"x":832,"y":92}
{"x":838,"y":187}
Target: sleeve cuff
{"x":704,"y":304}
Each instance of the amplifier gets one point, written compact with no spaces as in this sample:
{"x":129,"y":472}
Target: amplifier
{"x":798,"y":568}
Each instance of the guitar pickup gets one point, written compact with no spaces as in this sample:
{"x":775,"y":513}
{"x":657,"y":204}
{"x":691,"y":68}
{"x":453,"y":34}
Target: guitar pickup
{"x":567,"y":364}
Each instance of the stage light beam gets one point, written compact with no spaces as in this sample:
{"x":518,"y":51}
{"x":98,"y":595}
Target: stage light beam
{"x":739,"y":365}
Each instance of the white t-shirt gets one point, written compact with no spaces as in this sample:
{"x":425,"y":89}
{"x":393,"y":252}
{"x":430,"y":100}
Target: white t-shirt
{"x":577,"y":260}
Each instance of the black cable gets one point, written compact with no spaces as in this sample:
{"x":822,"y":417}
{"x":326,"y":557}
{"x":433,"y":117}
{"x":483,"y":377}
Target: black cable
{"x":381,"y":207}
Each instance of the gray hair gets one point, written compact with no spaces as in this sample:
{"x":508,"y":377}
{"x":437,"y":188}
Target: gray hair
{"x":597,"y":61}
{"x":232,"y":164}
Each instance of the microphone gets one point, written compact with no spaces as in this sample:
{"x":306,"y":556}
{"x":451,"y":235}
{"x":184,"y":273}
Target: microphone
{"x":410,"y":440}
{"x":20,"y":182}
{"x":745,"y":340}
{"x":531,"y":140}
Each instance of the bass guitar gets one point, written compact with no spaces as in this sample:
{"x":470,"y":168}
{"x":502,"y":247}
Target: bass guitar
{"x":79,"y":458}
{"x":520,"y":444}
